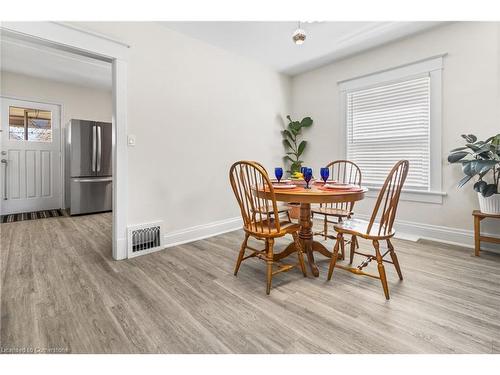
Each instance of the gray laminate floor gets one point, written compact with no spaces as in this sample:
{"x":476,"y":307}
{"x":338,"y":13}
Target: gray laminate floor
{"x":61,"y":291}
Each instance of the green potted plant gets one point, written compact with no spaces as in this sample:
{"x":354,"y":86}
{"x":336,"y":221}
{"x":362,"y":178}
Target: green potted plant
{"x":293,"y":146}
{"x":481,"y":160}
{"x":294,"y":150}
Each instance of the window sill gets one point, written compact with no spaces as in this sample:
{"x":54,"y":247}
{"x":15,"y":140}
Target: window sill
{"x":435,"y":197}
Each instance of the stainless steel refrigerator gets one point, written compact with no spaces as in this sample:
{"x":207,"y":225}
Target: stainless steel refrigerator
{"x":88,"y":167}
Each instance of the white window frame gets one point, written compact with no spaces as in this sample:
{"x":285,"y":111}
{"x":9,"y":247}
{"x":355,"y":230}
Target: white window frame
{"x":433,"y":67}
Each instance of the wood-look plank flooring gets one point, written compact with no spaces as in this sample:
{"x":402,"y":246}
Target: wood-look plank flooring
{"x":62,"y":291}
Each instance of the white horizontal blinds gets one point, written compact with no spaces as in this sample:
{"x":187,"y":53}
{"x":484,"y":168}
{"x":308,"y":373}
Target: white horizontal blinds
{"x":388,"y":123}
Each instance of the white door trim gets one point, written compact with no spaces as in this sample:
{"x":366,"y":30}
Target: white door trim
{"x":69,"y":38}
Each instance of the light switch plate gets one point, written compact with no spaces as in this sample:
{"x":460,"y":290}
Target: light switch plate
{"x":131,"y":140}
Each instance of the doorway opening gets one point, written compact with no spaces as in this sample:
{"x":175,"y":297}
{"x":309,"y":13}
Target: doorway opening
{"x":36,"y":119}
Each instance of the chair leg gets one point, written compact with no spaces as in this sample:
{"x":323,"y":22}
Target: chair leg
{"x":342,"y":244}
{"x":325,"y":227}
{"x":241,"y":254}
{"x":288,"y":215}
{"x":335,"y":254}
{"x":381,"y":268}
{"x":300,"y":253}
{"x":394,"y":258}
{"x":342,"y":249}
{"x":269,"y":261}
{"x":357,"y":243}
{"x":354,"y":241}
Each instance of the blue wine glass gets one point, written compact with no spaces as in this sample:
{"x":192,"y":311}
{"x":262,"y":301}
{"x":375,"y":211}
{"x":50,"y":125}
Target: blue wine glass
{"x":307,"y":176}
{"x":303,"y":170}
{"x":325,"y":173}
{"x":278,"y":172}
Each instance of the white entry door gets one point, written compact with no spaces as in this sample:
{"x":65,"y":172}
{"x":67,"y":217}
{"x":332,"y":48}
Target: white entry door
{"x":30,"y":156}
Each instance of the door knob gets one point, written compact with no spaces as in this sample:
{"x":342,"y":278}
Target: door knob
{"x":4,"y":161}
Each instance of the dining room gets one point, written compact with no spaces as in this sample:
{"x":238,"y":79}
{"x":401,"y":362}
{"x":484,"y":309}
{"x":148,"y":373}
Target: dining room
{"x":331,"y":189}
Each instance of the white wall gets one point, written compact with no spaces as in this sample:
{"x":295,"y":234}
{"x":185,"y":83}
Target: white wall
{"x":471,"y":97}
{"x":77,"y":101}
{"x":194,"y":109}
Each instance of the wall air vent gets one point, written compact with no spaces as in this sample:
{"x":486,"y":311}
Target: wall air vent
{"x":145,"y":239}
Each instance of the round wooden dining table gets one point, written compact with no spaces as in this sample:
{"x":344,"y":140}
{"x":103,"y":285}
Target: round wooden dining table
{"x":306,"y":197}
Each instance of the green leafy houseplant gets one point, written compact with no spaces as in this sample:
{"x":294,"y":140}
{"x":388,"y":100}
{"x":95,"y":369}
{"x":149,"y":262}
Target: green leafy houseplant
{"x":291,"y":142}
{"x":478,"y":159}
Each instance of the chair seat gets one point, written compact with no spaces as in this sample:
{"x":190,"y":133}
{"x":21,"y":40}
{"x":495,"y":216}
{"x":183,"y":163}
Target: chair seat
{"x":281,"y":209}
{"x":289,"y":227}
{"x":359,"y":227}
{"x":329,"y":211}
{"x":269,"y":230}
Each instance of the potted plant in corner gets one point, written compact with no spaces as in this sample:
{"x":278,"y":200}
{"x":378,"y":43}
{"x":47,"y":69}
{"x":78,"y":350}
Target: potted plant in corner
{"x":481,"y":159}
{"x":294,"y":150}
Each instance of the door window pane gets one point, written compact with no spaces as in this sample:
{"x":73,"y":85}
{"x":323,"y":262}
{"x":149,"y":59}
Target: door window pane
{"x":28,"y":124}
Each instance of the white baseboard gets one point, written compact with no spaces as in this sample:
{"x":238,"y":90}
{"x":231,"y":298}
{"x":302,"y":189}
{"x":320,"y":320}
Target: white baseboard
{"x":406,"y":230}
{"x":412,"y":231}
{"x":200,"y":232}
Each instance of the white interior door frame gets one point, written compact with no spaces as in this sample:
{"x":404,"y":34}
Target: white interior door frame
{"x":73,"y":39}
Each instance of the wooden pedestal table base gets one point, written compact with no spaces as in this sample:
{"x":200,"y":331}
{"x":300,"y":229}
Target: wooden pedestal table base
{"x":306,"y":238}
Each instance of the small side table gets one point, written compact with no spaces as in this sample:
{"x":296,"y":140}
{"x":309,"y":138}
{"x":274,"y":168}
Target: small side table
{"x":478,"y":216}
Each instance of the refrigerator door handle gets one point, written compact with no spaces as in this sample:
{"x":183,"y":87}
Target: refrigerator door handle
{"x":93,"y":147}
{"x":99,"y":147}
{"x":104,"y":179}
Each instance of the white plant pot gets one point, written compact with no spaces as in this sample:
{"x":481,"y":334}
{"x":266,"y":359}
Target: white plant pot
{"x":490,"y":205}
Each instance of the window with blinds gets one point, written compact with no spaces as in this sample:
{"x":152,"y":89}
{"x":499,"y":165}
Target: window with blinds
{"x":389,"y":122}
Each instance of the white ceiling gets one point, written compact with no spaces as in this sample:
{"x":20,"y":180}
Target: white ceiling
{"x":19,"y":56}
{"x":271,"y":42}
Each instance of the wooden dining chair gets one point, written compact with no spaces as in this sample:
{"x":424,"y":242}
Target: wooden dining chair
{"x":247,"y":178}
{"x":345,"y":172}
{"x":379,"y":228}
{"x":282,"y":208}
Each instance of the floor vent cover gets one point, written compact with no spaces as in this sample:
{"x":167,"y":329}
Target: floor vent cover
{"x":145,"y":238}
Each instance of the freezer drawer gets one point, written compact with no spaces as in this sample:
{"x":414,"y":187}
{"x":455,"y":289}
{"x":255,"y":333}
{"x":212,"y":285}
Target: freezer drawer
{"x":91,"y":194}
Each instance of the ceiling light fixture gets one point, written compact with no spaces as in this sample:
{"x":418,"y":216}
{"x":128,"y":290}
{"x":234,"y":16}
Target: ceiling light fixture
{"x":299,"y":35}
